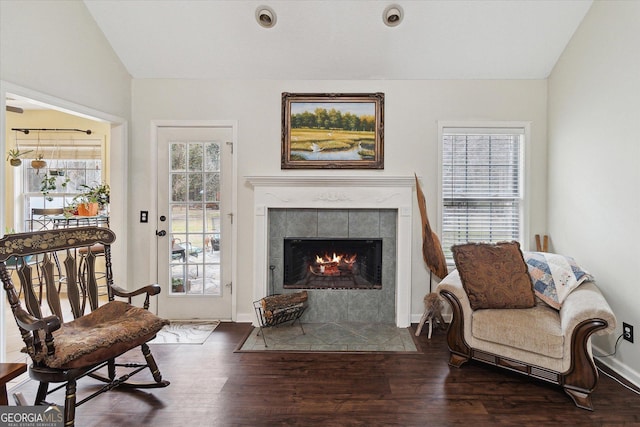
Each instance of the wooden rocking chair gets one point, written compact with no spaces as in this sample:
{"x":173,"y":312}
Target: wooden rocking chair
{"x":65,"y":352}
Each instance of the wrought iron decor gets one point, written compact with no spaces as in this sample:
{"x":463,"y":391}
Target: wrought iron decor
{"x":334,"y":131}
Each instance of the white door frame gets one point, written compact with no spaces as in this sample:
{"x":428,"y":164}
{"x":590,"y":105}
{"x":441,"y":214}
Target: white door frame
{"x":233,"y":124}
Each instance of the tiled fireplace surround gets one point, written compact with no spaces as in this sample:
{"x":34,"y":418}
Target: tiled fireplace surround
{"x":337,"y":206}
{"x":338,"y":305}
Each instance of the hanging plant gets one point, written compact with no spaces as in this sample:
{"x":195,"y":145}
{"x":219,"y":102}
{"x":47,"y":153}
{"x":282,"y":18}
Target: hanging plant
{"x":47,"y":185}
{"x":38,"y":162}
{"x":13,"y":156}
{"x":66,"y":181}
{"x":56,"y":171}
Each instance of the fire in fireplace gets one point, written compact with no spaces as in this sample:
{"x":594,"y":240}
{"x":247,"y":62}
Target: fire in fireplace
{"x":332,"y":263}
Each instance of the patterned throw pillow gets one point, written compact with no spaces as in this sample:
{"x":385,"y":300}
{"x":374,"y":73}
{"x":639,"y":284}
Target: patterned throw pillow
{"x":494,"y":275}
{"x":554,"y":276}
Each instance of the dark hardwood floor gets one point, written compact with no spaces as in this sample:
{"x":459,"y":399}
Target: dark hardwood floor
{"x":213,"y":386}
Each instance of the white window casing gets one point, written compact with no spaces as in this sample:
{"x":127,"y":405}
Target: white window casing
{"x":482,"y":183}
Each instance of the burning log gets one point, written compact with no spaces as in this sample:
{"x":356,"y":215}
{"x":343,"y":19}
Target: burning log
{"x":336,"y":265}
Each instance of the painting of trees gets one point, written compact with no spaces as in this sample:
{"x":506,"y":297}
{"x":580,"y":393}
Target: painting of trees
{"x":332,"y":130}
{"x":322,"y":118}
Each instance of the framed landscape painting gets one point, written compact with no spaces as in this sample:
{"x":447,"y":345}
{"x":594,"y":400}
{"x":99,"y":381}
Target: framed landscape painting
{"x":333,"y":130}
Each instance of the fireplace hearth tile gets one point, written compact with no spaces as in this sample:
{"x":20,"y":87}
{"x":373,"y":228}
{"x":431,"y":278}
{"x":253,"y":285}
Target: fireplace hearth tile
{"x":332,"y":333}
{"x":388,"y":224}
{"x":364,"y":306}
{"x":364,"y":223}
{"x":329,"y":347}
{"x":373,"y":333}
{"x":302,"y":223}
{"x":333,"y":337}
{"x":277,"y":222}
{"x":388,"y":259}
{"x":327,"y":306}
{"x":333,"y":223}
{"x":387,"y":309}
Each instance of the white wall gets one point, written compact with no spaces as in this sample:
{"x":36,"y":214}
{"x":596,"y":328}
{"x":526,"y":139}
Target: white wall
{"x":594,"y":162}
{"x":412,"y":109}
{"x":55,"y":47}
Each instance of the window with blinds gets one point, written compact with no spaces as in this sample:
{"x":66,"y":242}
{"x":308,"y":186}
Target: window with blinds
{"x":481,"y":185}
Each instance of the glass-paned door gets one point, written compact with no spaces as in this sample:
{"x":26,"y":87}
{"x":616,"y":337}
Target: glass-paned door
{"x":193,"y":251}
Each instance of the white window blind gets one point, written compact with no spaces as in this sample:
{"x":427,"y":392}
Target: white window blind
{"x":481,"y":185}
{"x":52,"y":149}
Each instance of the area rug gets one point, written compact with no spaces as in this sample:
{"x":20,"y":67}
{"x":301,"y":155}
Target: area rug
{"x":331,"y":337}
{"x":185,"y":333}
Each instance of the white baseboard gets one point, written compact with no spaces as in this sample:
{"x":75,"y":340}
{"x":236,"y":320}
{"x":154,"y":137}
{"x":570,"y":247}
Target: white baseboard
{"x":246,"y":318}
{"x":619,"y":368}
{"x":415,"y":318}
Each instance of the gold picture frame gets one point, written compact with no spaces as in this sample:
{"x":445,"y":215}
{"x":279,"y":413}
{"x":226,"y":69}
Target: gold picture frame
{"x":332,"y":131}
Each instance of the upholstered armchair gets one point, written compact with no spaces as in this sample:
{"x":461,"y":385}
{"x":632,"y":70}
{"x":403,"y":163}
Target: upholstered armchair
{"x":547,"y":343}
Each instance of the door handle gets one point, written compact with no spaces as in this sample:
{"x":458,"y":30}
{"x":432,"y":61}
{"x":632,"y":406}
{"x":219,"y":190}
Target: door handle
{"x":161,"y":233}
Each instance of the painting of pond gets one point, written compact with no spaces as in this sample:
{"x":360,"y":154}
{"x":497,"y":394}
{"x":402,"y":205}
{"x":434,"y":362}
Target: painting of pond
{"x":332,"y":144}
{"x":336,"y":130}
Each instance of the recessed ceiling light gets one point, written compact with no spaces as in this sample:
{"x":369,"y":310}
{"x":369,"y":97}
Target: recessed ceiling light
{"x":392,"y":15}
{"x":265,"y":16}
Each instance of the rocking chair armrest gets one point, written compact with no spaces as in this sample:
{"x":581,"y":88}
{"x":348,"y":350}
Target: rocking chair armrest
{"x":29,"y":323}
{"x":150,"y":290}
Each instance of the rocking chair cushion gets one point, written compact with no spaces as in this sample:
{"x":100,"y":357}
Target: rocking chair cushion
{"x":107,"y":332}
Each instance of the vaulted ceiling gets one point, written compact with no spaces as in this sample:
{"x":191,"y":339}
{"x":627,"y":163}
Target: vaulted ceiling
{"x":204,"y":39}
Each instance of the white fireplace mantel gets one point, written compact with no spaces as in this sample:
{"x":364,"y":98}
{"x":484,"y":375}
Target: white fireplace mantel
{"x":336,"y":192}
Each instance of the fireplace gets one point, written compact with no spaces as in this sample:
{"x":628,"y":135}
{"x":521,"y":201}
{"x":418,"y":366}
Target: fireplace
{"x":327,"y":253}
{"x":343,"y":263}
{"x":312,"y":206}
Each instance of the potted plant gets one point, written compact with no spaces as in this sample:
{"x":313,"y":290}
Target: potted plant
{"x":13,"y":156}
{"x":177,"y":285}
{"x":92,"y":199}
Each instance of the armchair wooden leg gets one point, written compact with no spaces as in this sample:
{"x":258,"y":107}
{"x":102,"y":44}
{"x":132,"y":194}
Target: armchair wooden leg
{"x":460,"y":350}
{"x":582,"y":377}
{"x":580,"y":398}
{"x":457,"y":360}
